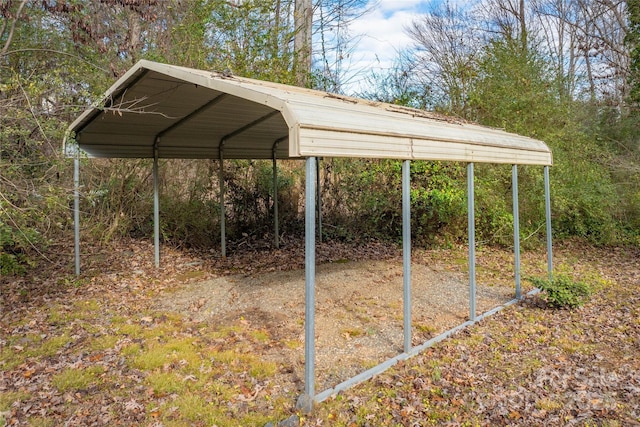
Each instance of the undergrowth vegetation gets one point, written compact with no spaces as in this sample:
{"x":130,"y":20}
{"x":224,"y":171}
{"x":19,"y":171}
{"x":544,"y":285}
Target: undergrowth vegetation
{"x":563,"y":291}
{"x":509,"y":84}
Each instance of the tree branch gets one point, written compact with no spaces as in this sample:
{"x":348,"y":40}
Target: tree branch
{"x":58,"y":52}
{"x":13,"y":28}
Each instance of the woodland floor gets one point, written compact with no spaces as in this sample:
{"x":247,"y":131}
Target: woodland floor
{"x":209,"y":341}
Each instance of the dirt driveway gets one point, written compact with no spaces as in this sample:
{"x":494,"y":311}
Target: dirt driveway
{"x":358,"y":310}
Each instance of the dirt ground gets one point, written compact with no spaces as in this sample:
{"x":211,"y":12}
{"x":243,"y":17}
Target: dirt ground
{"x":358,"y":309}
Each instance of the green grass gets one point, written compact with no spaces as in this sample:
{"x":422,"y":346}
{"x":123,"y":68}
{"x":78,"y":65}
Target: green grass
{"x":191,"y":408}
{"x":179,"y":354}
{"x":31,"y":346}
{"x":424,"y":328}
{"x":164,"y":383}
{"x":262,"y":370}
{"x":51,"y":346}
{"x":7,"y":398}
{"x":103,"y":342}
{"x":260,"y":335}
{"x":77,"y":379}
{"x":195,"y":408}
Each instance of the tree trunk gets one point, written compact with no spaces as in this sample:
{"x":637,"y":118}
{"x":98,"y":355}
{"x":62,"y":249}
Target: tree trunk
{"x":303,"y":16}
{"x":523,"y":26}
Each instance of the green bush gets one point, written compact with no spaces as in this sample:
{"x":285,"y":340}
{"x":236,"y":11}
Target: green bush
{"x":562,"y":291}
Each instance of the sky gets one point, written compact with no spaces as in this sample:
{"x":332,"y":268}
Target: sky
{"x":380,"y":35}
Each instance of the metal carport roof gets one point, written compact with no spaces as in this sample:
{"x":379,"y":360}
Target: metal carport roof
{"x":188,"y":113}
{"x":165,"y":111}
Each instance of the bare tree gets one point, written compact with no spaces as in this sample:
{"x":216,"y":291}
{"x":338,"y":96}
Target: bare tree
{"x":445,"y":51}
{"x":589,"y":45}
{"x":334,"y":41}
{"x":507,"y":19}
{"x":559,"y":41}
{"x":603,"y":47}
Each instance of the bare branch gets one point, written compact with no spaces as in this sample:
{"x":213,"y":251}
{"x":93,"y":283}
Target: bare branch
{"x":13,"y":28}
{"x":57,"y":52}
{"x":134,"y":106}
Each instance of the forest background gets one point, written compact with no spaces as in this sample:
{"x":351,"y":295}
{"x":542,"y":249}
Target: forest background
{"x":563,"y":71}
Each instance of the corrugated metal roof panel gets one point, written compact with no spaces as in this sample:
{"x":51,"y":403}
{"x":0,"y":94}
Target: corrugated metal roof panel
{"x":186,"y":113}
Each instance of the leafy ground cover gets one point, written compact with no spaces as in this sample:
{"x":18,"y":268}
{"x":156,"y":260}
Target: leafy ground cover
{"x":93,"y":350}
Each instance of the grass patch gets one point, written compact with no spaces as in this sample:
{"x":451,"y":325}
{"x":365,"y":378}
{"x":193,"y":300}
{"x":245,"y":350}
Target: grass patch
{"x":220,"y":391}
{"x":424,"y":328}
{"x":133,"y":330}
{"x":76,"y":379}
{"x":179,"y":354}
{"x":196,"y":408}
{"x":260,"y":335}
{"x":571,"y":346}
{"x":190,"y":408}
{"x":7,"y":398}
{"x":103,"y":342}
{"x":164,"y":383}
{"x":31,"y":346}
{"x":243,"y":362}
{"x":87,"y":307}
{"x":131,"y":350}
{"x":79,"y":310}
{"x":224,"y":332}
{"x":58,"y":315}
{"x":51,"y":346}
{"x":261,"y":369}
{"x":293,"y":344}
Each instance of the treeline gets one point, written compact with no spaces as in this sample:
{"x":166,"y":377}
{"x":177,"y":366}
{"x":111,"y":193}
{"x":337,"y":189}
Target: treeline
{"x":561,"y":71}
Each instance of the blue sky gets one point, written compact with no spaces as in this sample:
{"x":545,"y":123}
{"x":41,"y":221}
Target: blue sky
{"x":380,"y":34}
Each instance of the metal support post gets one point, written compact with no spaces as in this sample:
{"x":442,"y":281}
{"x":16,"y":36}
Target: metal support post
{"x":276,"y":225}
{"x":406,"y":251}
{"x":472,"y":243}
{"x":156,"y":211}
{"x":223,"y":231}
{"x":319,"y":199}
{"x":76,"y":212}
{"x":547,"y":203}
{"x":516,"y":230}
{"x":305,"y":401}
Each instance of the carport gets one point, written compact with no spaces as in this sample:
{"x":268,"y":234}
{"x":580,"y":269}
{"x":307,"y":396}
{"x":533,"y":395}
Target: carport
{"x":161,"y":111}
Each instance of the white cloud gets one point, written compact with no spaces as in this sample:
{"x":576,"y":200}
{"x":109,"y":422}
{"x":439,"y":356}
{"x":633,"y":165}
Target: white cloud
{"x":380,"y":35}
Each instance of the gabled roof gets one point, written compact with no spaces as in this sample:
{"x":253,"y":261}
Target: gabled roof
{"x":188,"y":113}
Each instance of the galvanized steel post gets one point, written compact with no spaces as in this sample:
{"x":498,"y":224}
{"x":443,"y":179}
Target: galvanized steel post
{"x":516,"y":230}
{"x":472,"y":242}
{"x":276,"y":225}
{"x":156,"y":210}
{"x":547,"y":203}
{"x":76,"y":212}
{"x":319,"y":199}
{"x":406,"y":251}
{"x":223,"y":231}
{"x":310,"y":277}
